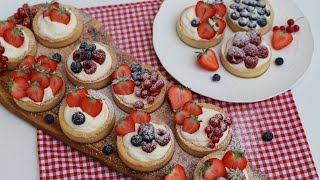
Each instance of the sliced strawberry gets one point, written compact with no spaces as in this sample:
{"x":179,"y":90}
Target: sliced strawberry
{"x":180,"y":116}
{"x":22,"y":72}
{"x":28,"y":61}
{"x":221,"y":9}
{"x":204,"y":11}
{"x":193,"y":108}
{"x":60,"y":14}
{"x":4,"y":25}
{"x":206,"y":31}
{"x":124,"y":87}
{"x":208,"y":60}
{"x":13,"y":36}
{"x":18,"y":88}
{"x":221,"y":25}
{"x":44,"y":67}
{"x":139,"y":116}
{"x":178,"y":96}
{"x":47,"y":60}
{"x":90,"y":105}
{"x":41,"y":77}
{"x":74,"y":97}
{"x":35,"y":92}
{"x":121,"y":71}
{"x":213,"y":168}
{"x":48,"y":8}
{"x":56,"y":83}
{"x":176,"y":172}
{"x":235,"y":160}
{"x":281,"y":39}
{"x":191,"y":124}
{"x":124,"y":126}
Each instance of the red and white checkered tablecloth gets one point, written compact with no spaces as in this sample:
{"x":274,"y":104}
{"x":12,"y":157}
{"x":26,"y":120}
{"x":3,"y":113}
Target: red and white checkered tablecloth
{"x":287,"y":157}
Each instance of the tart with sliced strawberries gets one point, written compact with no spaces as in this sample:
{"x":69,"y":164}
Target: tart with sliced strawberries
{"x":37,"y":85}
{"x":16,"y":41}
{"x":138,"y":86}
{"x":144,"y":142}
{"x":90,"y":65}
{"x":86,"y":116}
{"x":202,"y":25}
{"x":57,"y":25}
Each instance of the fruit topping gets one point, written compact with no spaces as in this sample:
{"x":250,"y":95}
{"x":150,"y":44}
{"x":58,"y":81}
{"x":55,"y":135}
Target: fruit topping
{"x":47,"y":60}
{"x":204,"y":10}
{"x":251,"y":62}
{"x":124,"y":126}
{"x":87,"y":55}
{"x":252,"y":24}
{"x":138,"y":104}
{"x":254,"y":37}
{"x":49,"y":7}
{"x":180,"y":116}
{"x":262,"y":22}
{"x":78,"y":118}
{"x":146,"y":130}
{"x":213,"y":168}
{"x":281,"y":39}
{"x":99,"y":56}
{"x":60,"y":14}
{"x":193,"y":108}
{"x":235,"y":55}
{"x":178,"y":96}
{"x":175,"y":172}
{"x":136,"y":67}
{"x":207,"y":59}
{"x":89,"y":67}
{"x":48,"y":118}
{"x":25,"y":15}
{"x":22,"y":72}
{"x":216,"y":77}
{"x":149,"y":147}
{"x":78,"y":55}
{"x":140,"y":117}
{"x":250,"y":50}
{"x":4,"y":25}
{"x":206,"y":31}
{"x":263,"y":51}
{"x":235,"y":174}
{"x":241,"y":39}
{"x":221,"y":9}
{"x":17,"y":88}
{"x":91,"y":105}
{"x":123,"y":86}
{"x":195,"y":23}
{"x":279,"y":61}
{"x":191,"y":124}
{"x":28,"y":61}
{"x":42,"y":78}
{"x":108,"y":149}
{"x":162,"y":137}
{"x":235,"y":160}
{"x":235,"y":15}
{"x":14,"y":36}
{"x":56,"y":83}
{"x":228,"y":120}
{"x":234,"y":6}
{"x":56,"y":57}
{"x":267,"y":136}
{"x":76,"y":67}
{"x":136,"y":140}
{"x":35,"y":92}
{"x":214,"y":122}
{"x":74,"y":97}
{"x":122,"y":71}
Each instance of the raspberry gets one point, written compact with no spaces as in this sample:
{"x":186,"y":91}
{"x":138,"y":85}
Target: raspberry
{"x":255,"y":37}
{"x":154,"y":77}
{"x":149,"y":147}
{"x":89,"y":67}
{"x":99,"y":56}
{"x":250,"y":50}
{"x":145,"y":128}
{"x":162,"y":137}
{"x":241,"y":39}
{"x":263,"y":51}
{"x":235,"y":55}
{"x":251,"y":62}
{"x":78,"y":54}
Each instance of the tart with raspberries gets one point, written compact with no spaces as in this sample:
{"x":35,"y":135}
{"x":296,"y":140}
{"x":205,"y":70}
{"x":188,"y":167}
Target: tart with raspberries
{"x":90,"y":65}
{"x":37,"y":85}
{"x":246,"y":54}
{"x":138,"y":87}
{"x":144,"y":143}
{"x":57,"y":25}
{"x":202,"y":25}
{"x":86,"y":116}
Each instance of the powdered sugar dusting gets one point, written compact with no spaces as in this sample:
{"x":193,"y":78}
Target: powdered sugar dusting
{"x":241,"y":39}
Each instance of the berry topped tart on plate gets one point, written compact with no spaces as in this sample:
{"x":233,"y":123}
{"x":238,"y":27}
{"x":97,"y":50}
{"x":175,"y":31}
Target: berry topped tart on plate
{"x":57,"y":25}
{"x":144,"y":143}
{"x":86,"y":116}
{"x":16,"y":41}
{"x":200,"y":128}
{"x":37,"y":85}
{"x":138,"y":87}
{"x":246,"y":15}
{"x":202,"y":25}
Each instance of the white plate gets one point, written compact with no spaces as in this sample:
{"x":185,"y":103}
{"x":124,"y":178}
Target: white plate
{"x":180,"y":60}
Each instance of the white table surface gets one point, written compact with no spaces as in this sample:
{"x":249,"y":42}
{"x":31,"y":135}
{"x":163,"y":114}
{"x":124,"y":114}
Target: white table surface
{"x":18,"y":152}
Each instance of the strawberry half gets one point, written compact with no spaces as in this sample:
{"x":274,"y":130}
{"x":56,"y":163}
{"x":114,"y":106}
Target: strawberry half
{"x":22,"y":72}
{"x":13,"y":36}
{"x":90,"y":105}
{"x":41,"y":77}
{"x":178,"y":96}
{"x":47,"y":60}
{"x":56,"y":83}
{"x":193,"y":108}
{"x":17,"y":88}
{"x":206,"y":31}
{"x":221,"y":9}
{"x":28,"y":61}
{"x":180,"y":116}
{"x":191,"y":124}
{"x":220,"y":24}
{"x":204,"y":11}
{"x":49,"y":7}
{"x":208,"y":60}
{"x":281,"y":39}
{"x":124,"y":126}
{"x":175,"y":172}
{"x":74,"y":97}
{"x":213,"y":168}
{"x":122,"y":71}
{"x":4,"y":25}
{"x":35,"y":92}
{"x":139,"y":116}
{"x":60,"y":14}
{"x":124,"y":87}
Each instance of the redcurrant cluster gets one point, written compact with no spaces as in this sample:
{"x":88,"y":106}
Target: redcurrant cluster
{"x":3,"y":60}
{"x":25,"y":15}
{"x":291,"y":28}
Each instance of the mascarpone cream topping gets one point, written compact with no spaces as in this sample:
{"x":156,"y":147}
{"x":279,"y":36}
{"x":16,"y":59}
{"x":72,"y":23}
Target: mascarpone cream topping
{"x":48,"y":95}
{"x":11,"y":51}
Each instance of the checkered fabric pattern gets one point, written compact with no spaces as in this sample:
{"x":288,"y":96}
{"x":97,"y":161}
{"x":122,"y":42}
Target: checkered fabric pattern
{"x":286,"y":157}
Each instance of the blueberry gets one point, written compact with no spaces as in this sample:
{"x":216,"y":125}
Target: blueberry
{"x":241,"y":7}
{"x":78,"y":118}
{"x":136,"y":67}
{"x":76,"y":67}
{"x":145,"y":71}
{"x":136,"y":76}
{"x":108,"y":149}
{"x":233,"y":6}
{"x":252,"y":25}
{"x":244,"y":13}
{"x":279,"y":61}
{"x":237,"y":1}
{"x":136,"y":140}
{"x":83,"y":45}
{"x":261,"y":11}
{"x":262,"y":22}
{"x":268,"y":13}
{"x":88,"y":55}
{"x":250,"y":9}
{"x":56,"y":57}
{"x":49,"y":118}
{"x":148,"y":136}
{"x":90,"y":47}
{"x":93,"y":47}
{"x":261,"y":4}
{"x":243,"y":21}
{"x":253,"y":16}
{"x":253,"y":3}
{"x":216,"y":77}
{"x":246,"y":2}
{"x":195,"y":23}
{"x":235,"y":15}
{"x":267,"y":136}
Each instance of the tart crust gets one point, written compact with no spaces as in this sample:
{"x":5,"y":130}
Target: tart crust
{"x":202,"y":151}
{"x":187,"y":39}
{"x":98,"y":83}
{"x":58,"y":43}
{"x":87,"y":137}
{"x":236,"y":28}
{"x":145,"y":166}
{"x":147,"y":107}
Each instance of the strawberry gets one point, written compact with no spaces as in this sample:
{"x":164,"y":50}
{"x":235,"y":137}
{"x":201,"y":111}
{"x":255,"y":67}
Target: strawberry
{"x":191,"y":124}
{"x":175,"y":172}
{"x":235,"y":160}
{"x":193,"y":108}
{"x":60,"y":14}
{"x":204,"y":11}
{"x":140,"y":117}
{"x":121,"y":71}
{"x":221,"y":9}
{"x":178,"y":96}
{"x":213,"y":168}
{"x":221,"y":25}
{"x":90,"y":105}
{"x":17,"y":87}
{"x":74,"y":97}
{"x":4,"y":25}
{"x":13,"y":36}
{"x":206,"y":31}
{"x":49,"y":7}
{"x":124,"y":87}
{"x":28,"y":61}
{"x":47,"y":60}
{"x":124,"y":126}
{"x":207,"y":59}
{"x":35,"y":92}
{"x":56,"y":83}
{"x":22,"y":72}
{"x":41,"y":77}
{"x":281,"y":39}
{"x":44,"y":67}
{"x":180,"y":116}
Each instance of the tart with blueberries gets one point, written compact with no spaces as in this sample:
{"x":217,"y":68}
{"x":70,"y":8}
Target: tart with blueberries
{"x":246,"y":54}
{"x":138,"y":87}
{"x":57,"y":25}
{"x":144,"y":143}
{"x":90,"y":65}
{"x":246,"y":15}
{"x":37,"y":85}
{"x":16,"y":41}
{"x":86,"y":116}
{"x":202,"y":25}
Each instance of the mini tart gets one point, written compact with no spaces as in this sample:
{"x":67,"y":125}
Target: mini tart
{"x":61,"y":42}
{"x":94,"y":83}
{"x":145,"y":166}
{"x":233,"y":24}
{"x":191,"y":41}
{"x":83,"y":136}
{"x":197,"y":175}
{"x":147,"y":107}
{"x":198,"y":151}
